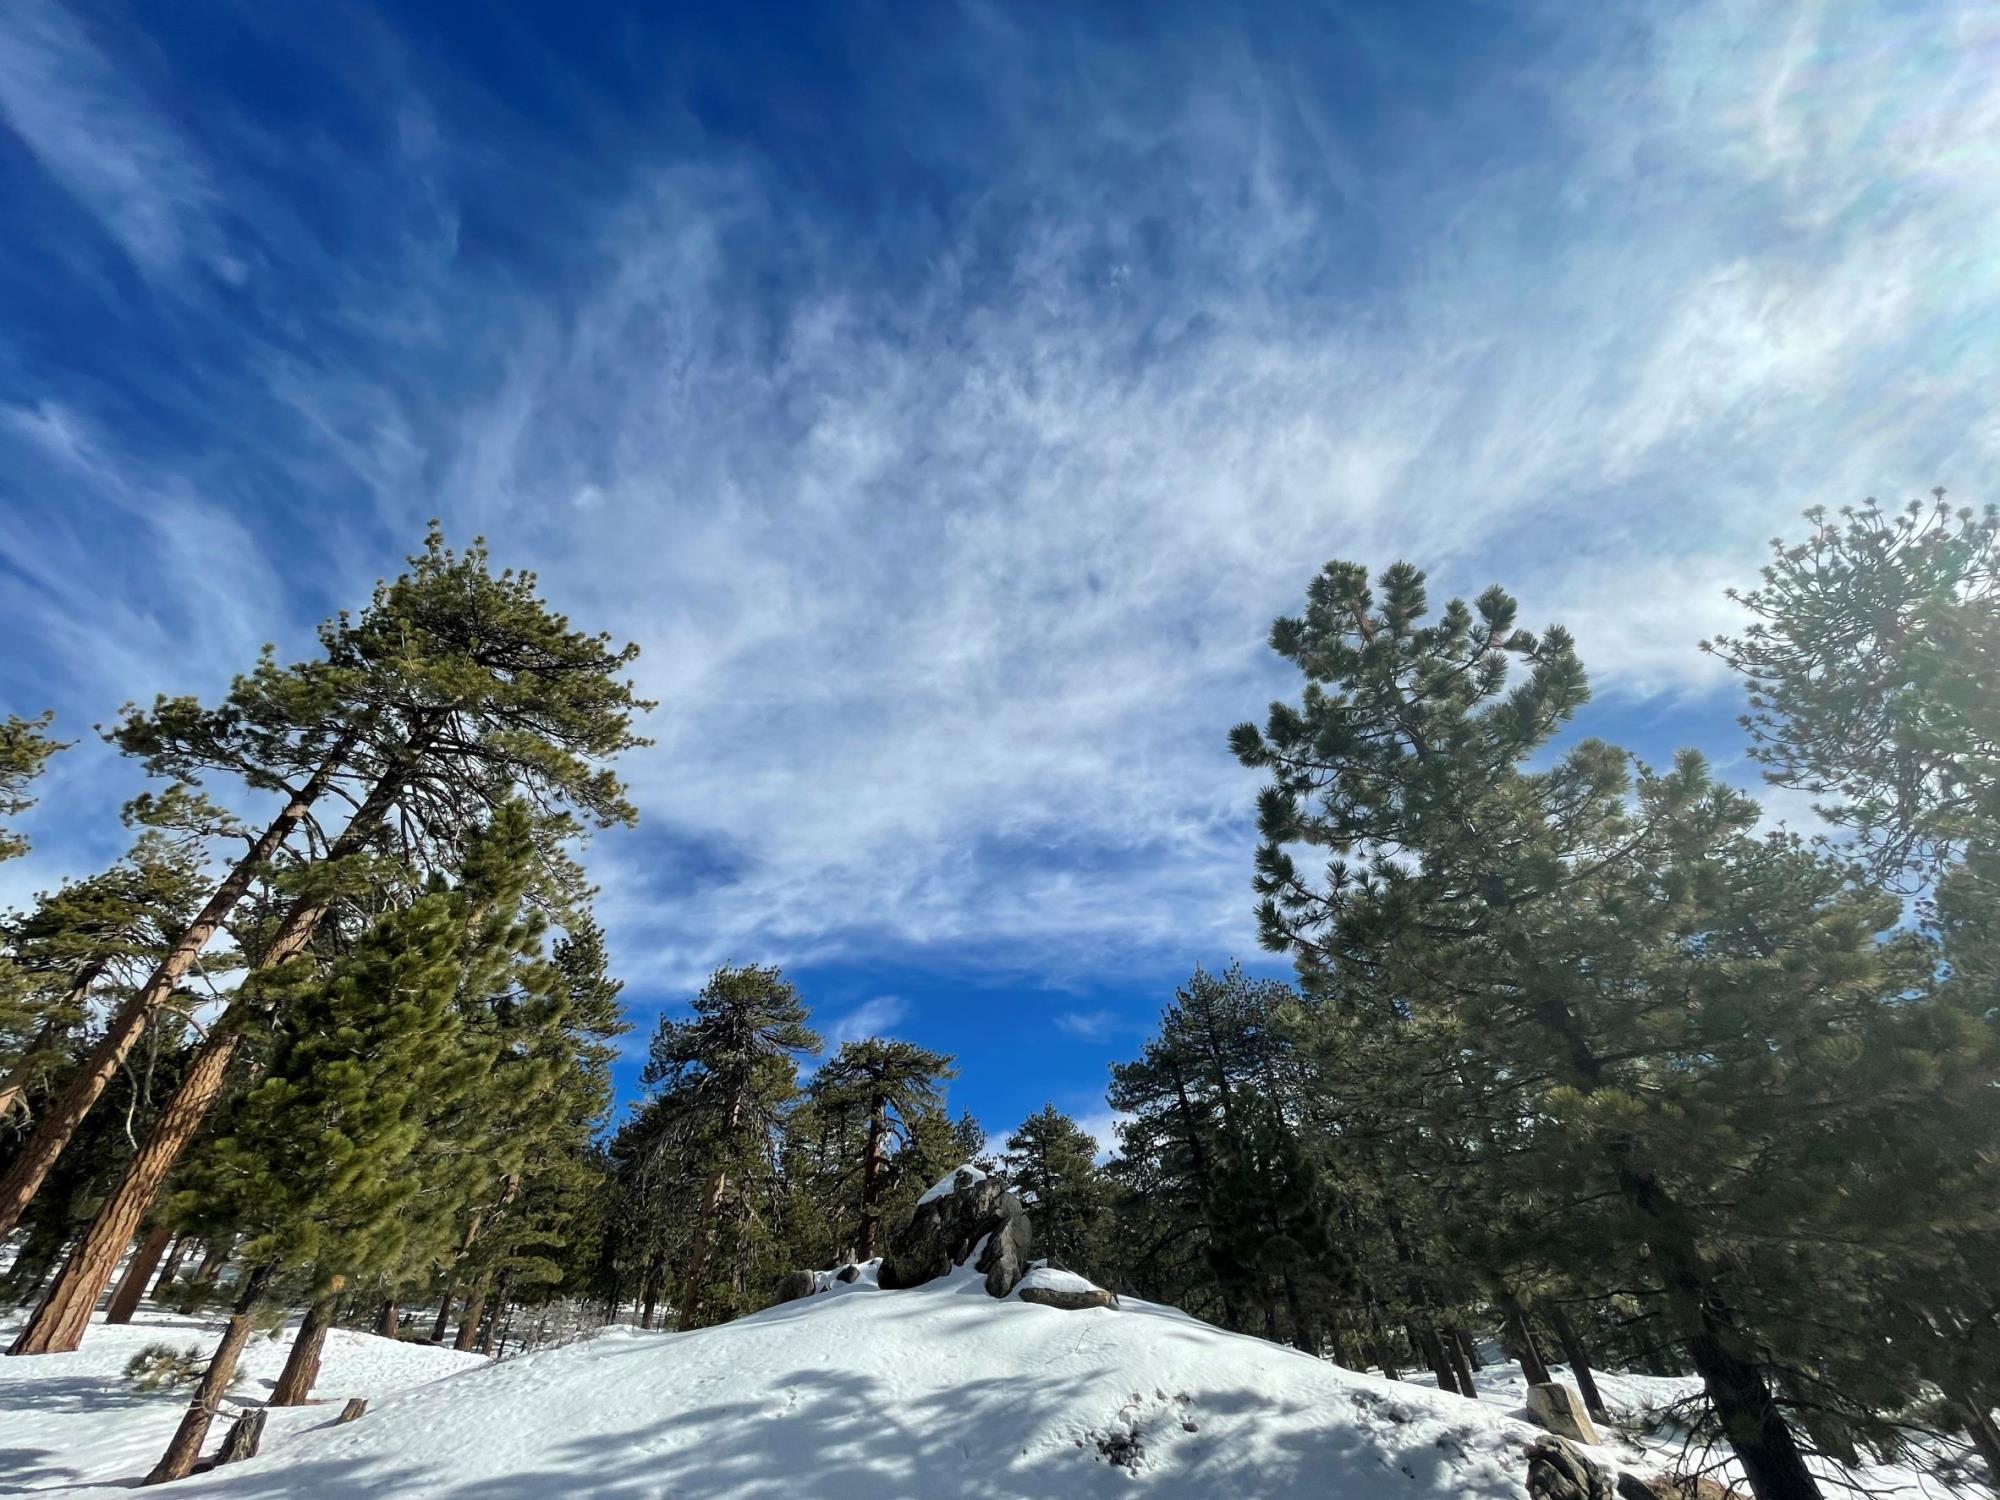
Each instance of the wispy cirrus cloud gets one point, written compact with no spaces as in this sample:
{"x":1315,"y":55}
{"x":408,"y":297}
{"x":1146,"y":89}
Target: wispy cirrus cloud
{"x":873,"y":1017}
{"x":1087,"y":1025}
{"x":952,"y":525}
{"x":112,"y":149}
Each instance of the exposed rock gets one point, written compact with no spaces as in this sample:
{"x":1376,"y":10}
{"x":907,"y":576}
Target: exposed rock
{"x":794,"y":1285}
{"x":1068,"y":1301}
{"x":1672,"y":1487}
{"x":947,"y":1228}
{"x":1558,"y":1408}
{"x":1556,"y":1471}
{"x":1063,"y":1289}
{"x":1005,"y":1258}
{"x":847,"y":1275}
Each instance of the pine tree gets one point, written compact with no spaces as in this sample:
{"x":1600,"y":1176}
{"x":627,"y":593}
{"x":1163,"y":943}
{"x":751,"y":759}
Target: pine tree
{"x":729,"y":1071}
{"x":454,"y":691}
{"x":25,"y":747}
{"x":1564,"y":926}
{"x":315,"y":1164}
{"x":1051,"y":1162}
{"x":878,"y":1089}
{"x":1873,"y":665}
{"x":93,"y":938}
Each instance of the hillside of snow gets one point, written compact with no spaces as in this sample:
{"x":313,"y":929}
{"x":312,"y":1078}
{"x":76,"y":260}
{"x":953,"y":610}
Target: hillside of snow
{"x":935,"y":1393}
{"x":72,"y":1423}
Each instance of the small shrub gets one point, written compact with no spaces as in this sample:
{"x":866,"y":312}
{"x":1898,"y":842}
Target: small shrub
{"x":161,"y":1367}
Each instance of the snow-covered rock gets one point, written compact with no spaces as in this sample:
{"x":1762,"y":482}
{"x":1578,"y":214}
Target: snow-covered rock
{"x":1062,"y":1289}
{"x":966,"y":1216}
{"x":953,"y":1181}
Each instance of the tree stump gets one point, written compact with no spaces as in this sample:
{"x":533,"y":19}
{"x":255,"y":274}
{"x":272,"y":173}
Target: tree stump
{"x":244,"y":1436}
{"x":351,"y":1412}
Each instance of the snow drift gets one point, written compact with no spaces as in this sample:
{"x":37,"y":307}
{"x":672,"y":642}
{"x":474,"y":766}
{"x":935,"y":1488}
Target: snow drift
{"x":934,"y":1393}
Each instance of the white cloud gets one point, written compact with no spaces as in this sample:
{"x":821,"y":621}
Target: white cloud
{"x":951,"y":589}
{"x":873,"y":1017}
{"x":1102,"y":1127}
{"x":96,"y":135}
{"x":1090,"y":1025}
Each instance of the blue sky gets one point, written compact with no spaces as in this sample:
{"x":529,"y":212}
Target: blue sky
{"x":947,"y":396}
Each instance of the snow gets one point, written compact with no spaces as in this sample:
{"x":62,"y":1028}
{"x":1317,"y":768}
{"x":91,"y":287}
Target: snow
{"x":72,"y":1423}
{"x":1643,"y":1401}
{"x":949,"y":1183}
{"x":935,"y":1393}
{"x":1048,"y":1279}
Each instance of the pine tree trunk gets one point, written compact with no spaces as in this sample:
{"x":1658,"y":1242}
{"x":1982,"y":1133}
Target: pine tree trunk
{"x":214,"y":1256}
{"x":1980,"y":1425}
{"x":1468,"y":1348}
{"x":1424,"y":1338}
{"x":179,"y":1459}
{"x":698,"y":1252}
{"x":1522,"y":1337}
{"x":493,"y":1319}
{"x":172,"y":1266}
{"x":1736,"y":1387}
{"x":1579,"y":1361}
{"x":1305,"y":1337}
{"x":65,"y":1112}
{"x":468,"y":1328}
{"x":871,"y":1177}
{"x":1454,"y":1353}
{"x":34,"y":1262}
{"x":59,"y":1323}
{"x":443,"y":1319}
{"x":302,"y":1364}
{"x":1751,"y":1420}
{"x":388,"y":1325}
{"x":138,"y":1270}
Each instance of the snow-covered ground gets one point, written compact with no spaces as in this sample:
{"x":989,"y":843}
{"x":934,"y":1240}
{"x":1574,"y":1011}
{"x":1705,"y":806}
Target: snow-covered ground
{"x":1668,"y":1448}
{"x":934,"y":1393}
{"x":72,"y":1423}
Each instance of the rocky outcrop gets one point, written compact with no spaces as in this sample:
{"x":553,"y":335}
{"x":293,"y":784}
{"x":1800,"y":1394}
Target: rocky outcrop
{"x":793,"y":1285}
{"x":1556,"y":1471}
{"x":1557,"y":1408}
{"x":965,"y":1214}
{"x":1069,"y":1299}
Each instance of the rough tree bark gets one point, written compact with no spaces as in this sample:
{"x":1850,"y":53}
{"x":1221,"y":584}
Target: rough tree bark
{"x":1522,"y":1337}
{"x":871,"y":1176}
{"x":704,"y":1224}
{"x":1579,"y":1361}
{"x":214,"y":1256}
{"x":442,"y":1321}
{"x":468,"y":1327}
{"x":295,"y":1383}
{"x":179,"y":1459}
{"x":65,"y":1112}
{"x":60,"y":1322}
{"x":1454,"y":1352}
{"x":138,"y":1271}
{"x":389,"y":1324}
{"x":170,"y":1267}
